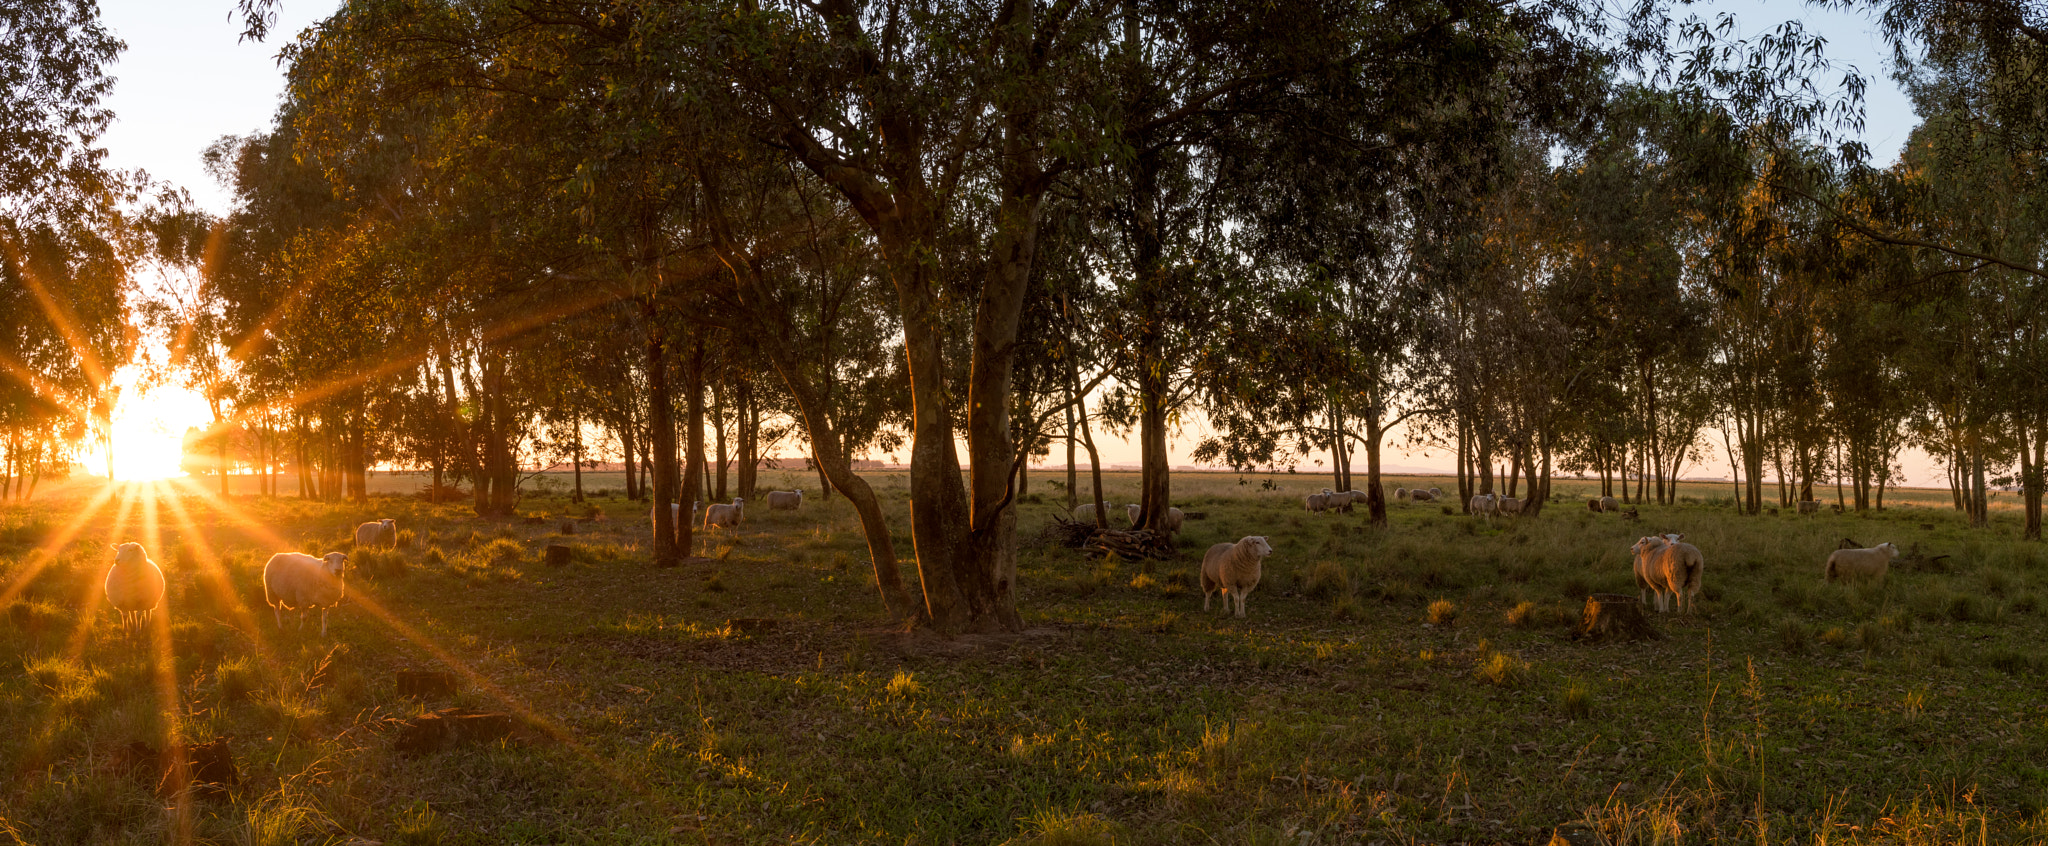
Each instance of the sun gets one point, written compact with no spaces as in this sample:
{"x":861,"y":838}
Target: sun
{"x":149,"y":431}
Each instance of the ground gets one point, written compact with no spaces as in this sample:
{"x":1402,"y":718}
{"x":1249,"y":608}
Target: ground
{"x":1414,"y":684}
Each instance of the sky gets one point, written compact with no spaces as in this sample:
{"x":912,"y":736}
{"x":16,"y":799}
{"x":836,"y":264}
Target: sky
{"x":186,"y":80}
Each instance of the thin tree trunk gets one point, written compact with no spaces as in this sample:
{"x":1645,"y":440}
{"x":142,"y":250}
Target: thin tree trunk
{"x":693,"y":439}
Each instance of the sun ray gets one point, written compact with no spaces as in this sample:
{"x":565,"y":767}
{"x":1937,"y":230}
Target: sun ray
{"x":47,"y":552}
{"x":363,"y":597}
{"x":163,"y":665}
{"x":220,"y":580}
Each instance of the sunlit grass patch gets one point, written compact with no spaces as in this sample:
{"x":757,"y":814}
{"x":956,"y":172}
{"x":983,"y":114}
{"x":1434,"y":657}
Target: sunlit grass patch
{"x":1442,"y":612}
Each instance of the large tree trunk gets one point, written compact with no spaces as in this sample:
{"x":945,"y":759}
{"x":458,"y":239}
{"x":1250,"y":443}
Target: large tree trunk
{"x":1375,"y":493}
{"x":719,"y":412}
{"x":693,"y":441}
{"x":661,"y":486}
{"x":750,"y":437}
{"x":989,"y":574}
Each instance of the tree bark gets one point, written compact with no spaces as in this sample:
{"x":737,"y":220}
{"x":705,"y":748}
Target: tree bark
{"x":661,"y":487}
{"x":693,"y":441}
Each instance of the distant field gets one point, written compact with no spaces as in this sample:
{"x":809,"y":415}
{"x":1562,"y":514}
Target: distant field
{"x":1410,"y":685}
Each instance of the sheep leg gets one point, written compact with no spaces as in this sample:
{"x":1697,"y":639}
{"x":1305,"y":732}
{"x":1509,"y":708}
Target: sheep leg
{"x":323,"y":621}
{"x":278,"y":614}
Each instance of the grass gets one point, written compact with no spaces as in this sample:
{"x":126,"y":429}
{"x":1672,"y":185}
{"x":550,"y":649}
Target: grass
{"x":1416,"y":684}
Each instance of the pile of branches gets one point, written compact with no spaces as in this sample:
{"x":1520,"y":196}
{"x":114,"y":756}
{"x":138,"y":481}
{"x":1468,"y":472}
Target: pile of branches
{"x":1133,"y":544}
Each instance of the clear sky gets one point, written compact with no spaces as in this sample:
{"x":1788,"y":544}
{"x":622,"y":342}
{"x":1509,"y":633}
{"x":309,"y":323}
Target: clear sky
{"x":186,"y":80}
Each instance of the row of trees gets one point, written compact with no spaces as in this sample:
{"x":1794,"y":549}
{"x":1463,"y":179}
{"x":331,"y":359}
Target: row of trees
{"x":490,"y":233}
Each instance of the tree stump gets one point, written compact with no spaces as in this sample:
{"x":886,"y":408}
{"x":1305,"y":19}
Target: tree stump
{"x":558,"y":555}
{"x":1614,"y":616}
{"x":450,"y":727}
{"x":568,"y":527}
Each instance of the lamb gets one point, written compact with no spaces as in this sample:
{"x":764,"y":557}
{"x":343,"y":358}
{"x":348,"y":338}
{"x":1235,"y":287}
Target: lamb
{"x":1844,"y":564}
{"x":1666,"y":565}
{"x":376,"y":533}
{"x":1232,"y":569}
{"x":299,"y":581}
{"x":135,"y":586}
{"x":727,"y":516}
{"x":785,"y":500}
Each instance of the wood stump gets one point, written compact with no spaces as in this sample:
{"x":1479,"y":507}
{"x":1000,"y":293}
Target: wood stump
{"x":558,"y":555}
{"x":568,"y":527}
{"x":451,"y":727}
{"x":1614,"y":616}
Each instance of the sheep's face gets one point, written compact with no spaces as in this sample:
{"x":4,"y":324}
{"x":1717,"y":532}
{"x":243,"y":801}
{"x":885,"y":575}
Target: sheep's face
{"x":1674,"y":537}
{"x":1891,"y":550}
{"x":130,"y":553}
{"x":1259,"y":546}
{"x":389,"y":525}
{"x":334,"y":563}
{"x":1648,"y":545}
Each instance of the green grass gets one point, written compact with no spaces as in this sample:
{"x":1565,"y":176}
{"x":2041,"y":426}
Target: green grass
{"x":1415,"y":684}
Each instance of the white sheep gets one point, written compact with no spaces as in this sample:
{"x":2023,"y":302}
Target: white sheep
{"x":726,"y":516}
{"x":1871,"y":563}
{"x":785,"y":500}
{"x":1605,"y":503}
{"x":1400,"y":494}
{"x":376,"y":533}
{"x":1436,"y":493}
{"x":1665,"y":565}
{"x":1319,"y":502}
{"x":135,"y":586}
{"x":299,"y":581}
{"x":1509,"y":506}
{"x":1233,"y":569}
{"x":1420,"y":495}
{"x":675,"y":515}
{"x":1484,"y":505}
{"x":1085,"y":512}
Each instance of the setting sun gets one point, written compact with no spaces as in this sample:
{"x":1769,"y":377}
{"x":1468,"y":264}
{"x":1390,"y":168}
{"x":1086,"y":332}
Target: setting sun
{"x":149,"y":430}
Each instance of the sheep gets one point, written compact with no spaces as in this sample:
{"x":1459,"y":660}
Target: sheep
{"x":135,"y":586}
{"x":1509,"y":506}
{"x":1606,"y":503}
{"x":1085,"y":512}
{"x":1174,"y":517}
{"x":1400,"y":494}
{"x":299,"y":581}
{"x":1666,"y":565}
{"x":1593,"y":505}
{"x":1871,"y":563}
{"x":1232,"y":569}
{"x":376,"y":533}
{"x":1484,"y":505}
{"x":1436,"y":493}
{"x":727,"y":516}
{"x":675,"y":516}
{"x":1319,"y":502}
{"x":785,"y":500}
{"x":1809,"y":506}
{"x":1420,"y":495}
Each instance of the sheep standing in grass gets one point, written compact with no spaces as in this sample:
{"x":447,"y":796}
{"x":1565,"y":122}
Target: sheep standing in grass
{"x":1174,"y":517}
{"x":1484,"y":505}
{"x":299,"y":581}
{"x":1871,"y":564}
{"x":1319,"y":502}
{"x":377,"y":533}
{"x":1419,"y":495}
{"x":1666,"y":565}
{"x":1233,"y":569}
{"x":785,"y":500}
{"x":1085,"y":512}
{"x":1509,"y":506}
{"x":1606,"y":503}
{"x":675,"y":515}
{"x":725,"y":516}
{"x":1400,"y":494}
{"x":135,"y":586}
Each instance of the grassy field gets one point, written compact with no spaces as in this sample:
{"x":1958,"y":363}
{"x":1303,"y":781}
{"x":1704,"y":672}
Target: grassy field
{"x":1411,"y":685}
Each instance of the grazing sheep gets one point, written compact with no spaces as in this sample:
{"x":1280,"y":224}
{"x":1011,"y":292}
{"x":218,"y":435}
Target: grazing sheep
{"x":1436,"y":493}
{"x":1233,"y":569}
{"x":785,"y":500}
{"x":1509,"y":506}
{"x":1319,"y":502}
{"x":1809,"y":506}
{"x":377,"y":533}
{"x":135,"y":586}
{"x":1593,"y":505}
{"x":1085,"y":512}
{"x":299,"y":581}
{"x":1666,"y":565}
{"x":1400,"y":494}
{"x":1484,"y":505}
{"x":727,"y":516}
{"x":1844,"y":564}
{"x":1420,"y":495}
{"x":1608,"y":503}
